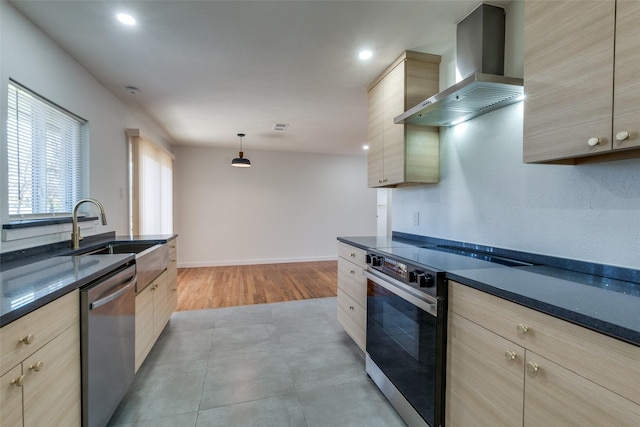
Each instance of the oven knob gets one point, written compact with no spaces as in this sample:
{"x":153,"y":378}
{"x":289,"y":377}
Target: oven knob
{"x":413,"y":276}
{"x":426,"y":280}
{"x":376,"y":261}
{"x":367,"y":258}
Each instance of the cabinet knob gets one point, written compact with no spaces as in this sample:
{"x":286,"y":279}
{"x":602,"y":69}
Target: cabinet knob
{"x":36,"y":366}
{"x":510,"y":355}
{"x":593,"y":142}
{"x":27,"y":339}
{"x":352,"y":255}
{"x":622,"y":136}
{"x":532,"y":368}
{"x":19,"y":382}
{"x":352,"y":272}
{"x":522,"y":328}
{"x":351,"y":307}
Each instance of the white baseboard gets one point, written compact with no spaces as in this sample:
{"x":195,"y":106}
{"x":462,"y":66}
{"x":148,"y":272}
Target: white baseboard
{"x":226,"y":263}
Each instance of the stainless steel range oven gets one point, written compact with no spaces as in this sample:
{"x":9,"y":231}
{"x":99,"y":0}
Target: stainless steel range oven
{"x":406,"y":329}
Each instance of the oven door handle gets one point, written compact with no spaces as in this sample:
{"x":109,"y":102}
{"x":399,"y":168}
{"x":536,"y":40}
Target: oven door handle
{"x":424,"y":301}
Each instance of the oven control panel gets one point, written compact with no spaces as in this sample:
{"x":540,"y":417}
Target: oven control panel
{"x":415,"y":276}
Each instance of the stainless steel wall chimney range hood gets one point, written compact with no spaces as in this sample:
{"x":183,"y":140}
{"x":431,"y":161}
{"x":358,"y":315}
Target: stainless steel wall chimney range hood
{"x":479,"y":57}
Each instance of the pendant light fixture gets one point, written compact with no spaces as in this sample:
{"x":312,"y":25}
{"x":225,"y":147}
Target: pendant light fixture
{"x":241,"y":162}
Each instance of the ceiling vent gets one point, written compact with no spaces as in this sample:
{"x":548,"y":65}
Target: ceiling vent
{"x":280,"y":126}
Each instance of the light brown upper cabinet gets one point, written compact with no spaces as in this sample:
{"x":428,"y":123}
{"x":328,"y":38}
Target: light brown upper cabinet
{"x":398,"y":153}
{"x":581,"y":81}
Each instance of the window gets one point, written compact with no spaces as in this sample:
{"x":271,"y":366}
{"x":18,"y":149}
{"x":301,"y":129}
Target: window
{"x":46,"y":156}
{"x":152,"y":183}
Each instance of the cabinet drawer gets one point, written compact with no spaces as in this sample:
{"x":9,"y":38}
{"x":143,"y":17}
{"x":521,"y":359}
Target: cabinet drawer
{"x":38,"y":328}
{"x":352,"y":282}
{"x":353,"y":318}
{"x":604,"y":360}
{"x":351,"y":253}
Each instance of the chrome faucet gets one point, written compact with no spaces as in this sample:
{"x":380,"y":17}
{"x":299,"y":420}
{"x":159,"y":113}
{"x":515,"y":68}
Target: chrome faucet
{"x":75,"y":233}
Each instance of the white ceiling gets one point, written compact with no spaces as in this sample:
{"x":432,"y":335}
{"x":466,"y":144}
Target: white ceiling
{"x":208,"y":69}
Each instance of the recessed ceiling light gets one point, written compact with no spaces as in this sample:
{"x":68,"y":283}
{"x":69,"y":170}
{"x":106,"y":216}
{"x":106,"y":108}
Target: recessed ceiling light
{"x":365,"y":54}
{"x":365,"y":147}
{"x":126,"y":19}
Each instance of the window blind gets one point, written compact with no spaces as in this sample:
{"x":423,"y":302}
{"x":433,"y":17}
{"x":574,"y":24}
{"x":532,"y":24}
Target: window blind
{"x":155,"y":189}
{"x":46,"y":155}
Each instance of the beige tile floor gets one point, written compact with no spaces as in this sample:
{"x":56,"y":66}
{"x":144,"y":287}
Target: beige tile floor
{"x":269,"y":365}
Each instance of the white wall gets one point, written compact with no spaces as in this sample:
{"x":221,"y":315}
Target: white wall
{"x":34,"y":60}
{"x":287,"y":207}
{"x":488,"y":196}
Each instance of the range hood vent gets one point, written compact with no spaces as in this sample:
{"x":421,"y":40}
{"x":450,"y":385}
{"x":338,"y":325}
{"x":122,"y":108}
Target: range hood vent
{"x":480,"y":56}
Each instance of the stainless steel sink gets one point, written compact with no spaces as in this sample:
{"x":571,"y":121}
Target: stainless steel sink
{"x":121,"y":248}
{"x":151,"y":259}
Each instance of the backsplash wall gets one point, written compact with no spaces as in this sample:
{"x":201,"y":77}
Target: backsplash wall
{"x":488,"y":196}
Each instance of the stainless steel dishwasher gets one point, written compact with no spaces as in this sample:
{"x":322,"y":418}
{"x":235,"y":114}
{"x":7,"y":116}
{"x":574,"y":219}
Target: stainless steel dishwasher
{"x":107,"y":309}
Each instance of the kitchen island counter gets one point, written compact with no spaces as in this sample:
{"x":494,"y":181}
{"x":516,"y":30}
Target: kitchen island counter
{"x":609,"y":305}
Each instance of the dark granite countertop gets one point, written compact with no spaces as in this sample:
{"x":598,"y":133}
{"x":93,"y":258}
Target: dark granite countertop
{"x":31,"y":278}
{"x":372,"y":242}
{"x":604,"y":304}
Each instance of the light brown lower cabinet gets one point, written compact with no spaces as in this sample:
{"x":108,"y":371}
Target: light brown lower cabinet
{"x":40,"y":378}
{"x":172,"y":277}
{"x":11,"y":397}
{"x":153,"y":310}
{"x":44,"y":390}
{"x":508,"y":365}
{"x":484,"y":384}
{"x":154,"y":306}
{"x":556,"y":396}
{"x":352,"y":293}
{"x":144,"y":325}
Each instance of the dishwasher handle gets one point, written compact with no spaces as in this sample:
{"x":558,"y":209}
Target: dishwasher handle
{"x":123,"y":288}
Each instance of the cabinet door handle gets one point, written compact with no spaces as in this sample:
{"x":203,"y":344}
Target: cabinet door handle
{"x":18,"y":382}
{"x":510,"y":355}
{"x":622,"y":136}
{"x":352,"y":255}
{"x":351,"y":307}
{"x":36,"y":366}
{"x":523,"y":329}
{"x":594,"y":141}
{"x":27,"y":339}
{"x":532,"y":368}
{"x":352,"y":272}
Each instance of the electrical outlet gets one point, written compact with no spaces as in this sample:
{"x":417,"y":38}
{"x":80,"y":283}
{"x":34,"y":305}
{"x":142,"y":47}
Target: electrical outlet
{"x":416,"y":218}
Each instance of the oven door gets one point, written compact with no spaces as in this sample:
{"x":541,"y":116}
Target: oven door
{"x":406,"y":348}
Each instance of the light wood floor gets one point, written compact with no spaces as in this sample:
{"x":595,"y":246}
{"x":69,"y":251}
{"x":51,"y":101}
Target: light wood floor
{"x":214,"y":287}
